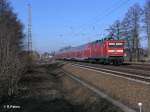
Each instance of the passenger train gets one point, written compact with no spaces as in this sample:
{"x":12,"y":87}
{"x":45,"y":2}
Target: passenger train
{"x":107,"y":51}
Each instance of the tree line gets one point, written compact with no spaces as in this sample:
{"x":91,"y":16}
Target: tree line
{"x":131,"y":28}
{"x":11,"y":36}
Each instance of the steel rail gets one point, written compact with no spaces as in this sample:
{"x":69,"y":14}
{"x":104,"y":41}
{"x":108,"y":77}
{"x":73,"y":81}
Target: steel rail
{"x":133,"y":77}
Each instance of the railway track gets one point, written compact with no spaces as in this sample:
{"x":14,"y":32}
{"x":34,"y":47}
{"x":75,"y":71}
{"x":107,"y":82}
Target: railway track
{"x":125,"y":65}
{"x":129,"y":74}
{"x":128,"y":88}
{"x":145,"y":64}
{"x":137,"y":66}
{"x":94,"y":89}
{"x":134,"y":69}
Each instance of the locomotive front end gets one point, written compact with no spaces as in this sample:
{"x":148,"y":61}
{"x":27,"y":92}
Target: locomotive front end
{"x":115,"y":51}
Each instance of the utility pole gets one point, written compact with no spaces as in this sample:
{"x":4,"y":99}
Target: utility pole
{"x":29,"y":28}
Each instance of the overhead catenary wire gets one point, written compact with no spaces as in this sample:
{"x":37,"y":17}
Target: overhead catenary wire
{"x":114,"y":9}
{"x":109,"y":12}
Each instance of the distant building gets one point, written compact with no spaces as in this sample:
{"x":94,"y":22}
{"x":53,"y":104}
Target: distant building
{"x":46,"y":56}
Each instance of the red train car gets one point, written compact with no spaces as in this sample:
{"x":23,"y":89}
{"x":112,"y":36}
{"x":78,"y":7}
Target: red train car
{"x":106,"y":51}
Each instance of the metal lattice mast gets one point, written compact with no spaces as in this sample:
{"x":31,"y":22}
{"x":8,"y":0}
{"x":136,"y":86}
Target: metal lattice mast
{"x":29,"y":28}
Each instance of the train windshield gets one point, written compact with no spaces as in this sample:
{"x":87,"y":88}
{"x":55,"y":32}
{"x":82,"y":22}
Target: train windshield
{"x":116,"y":45}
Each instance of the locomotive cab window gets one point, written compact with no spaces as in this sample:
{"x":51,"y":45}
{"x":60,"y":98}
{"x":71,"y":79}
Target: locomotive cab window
{"x":115,"y":45}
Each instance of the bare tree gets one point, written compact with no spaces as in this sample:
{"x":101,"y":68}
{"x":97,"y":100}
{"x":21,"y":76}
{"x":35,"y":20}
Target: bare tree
{"x":147,"y":22}
{"x":131,"y":26}
{"x":10,"y":45}
{"x":115,"y":30}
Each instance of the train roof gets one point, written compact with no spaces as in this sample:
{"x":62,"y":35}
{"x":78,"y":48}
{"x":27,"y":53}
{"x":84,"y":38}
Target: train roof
{"x":105,"y":39}
{"x":69,"y":48}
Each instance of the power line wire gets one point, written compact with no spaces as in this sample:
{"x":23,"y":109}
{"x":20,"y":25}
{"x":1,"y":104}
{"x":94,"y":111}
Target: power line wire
{"x":108,"y":12}
{"x":111,"y":11}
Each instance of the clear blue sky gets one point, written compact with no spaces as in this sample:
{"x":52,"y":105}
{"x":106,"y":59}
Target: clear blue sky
{"x":59,"y":23}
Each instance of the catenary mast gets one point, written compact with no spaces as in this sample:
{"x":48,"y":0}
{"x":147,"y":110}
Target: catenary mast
{"x":29,"y":28}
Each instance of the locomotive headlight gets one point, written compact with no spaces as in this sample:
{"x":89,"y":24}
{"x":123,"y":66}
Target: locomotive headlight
{"x":111,"y":51}
{"x":121,"y":51}
{"x":116,"y":51}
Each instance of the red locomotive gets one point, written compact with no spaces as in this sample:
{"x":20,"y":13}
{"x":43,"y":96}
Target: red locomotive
{"x":107,"y":51}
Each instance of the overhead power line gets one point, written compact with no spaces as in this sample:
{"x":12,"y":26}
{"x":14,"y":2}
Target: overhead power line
{"x":112,"y":10}
{"x":109,"y":12}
